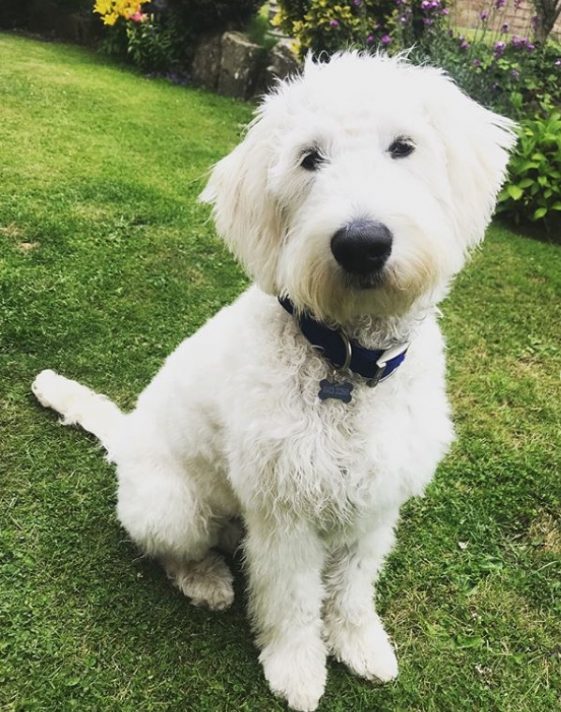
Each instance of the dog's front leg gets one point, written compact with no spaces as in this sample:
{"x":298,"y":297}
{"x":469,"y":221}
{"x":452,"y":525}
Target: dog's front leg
{"x":353,"y":631}
{"x":286,"y":594}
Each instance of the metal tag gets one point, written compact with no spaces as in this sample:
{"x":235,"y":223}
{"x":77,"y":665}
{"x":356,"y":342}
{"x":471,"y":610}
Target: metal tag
{"x":338,"y":391}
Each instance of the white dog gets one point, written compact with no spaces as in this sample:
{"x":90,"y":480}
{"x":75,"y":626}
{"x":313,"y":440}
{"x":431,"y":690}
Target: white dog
{"x":355,"y":197}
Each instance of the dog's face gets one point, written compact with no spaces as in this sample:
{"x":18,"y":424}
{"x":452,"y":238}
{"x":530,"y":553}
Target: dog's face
{"x":360,"y":186}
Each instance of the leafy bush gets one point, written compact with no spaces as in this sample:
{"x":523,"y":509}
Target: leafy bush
{"x":321,"y":26}
{"x":510,"y":74}
{"x":534,"y":190}
{"x":201,"y":16}
{"x":151,"y":45}
{"x":67,"y":19}
{"x":160,"y":37}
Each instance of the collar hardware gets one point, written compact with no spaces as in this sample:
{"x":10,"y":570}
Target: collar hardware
{"x":345,"y":354}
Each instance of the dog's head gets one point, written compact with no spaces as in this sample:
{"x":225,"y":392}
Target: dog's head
{"x":361,"y":186}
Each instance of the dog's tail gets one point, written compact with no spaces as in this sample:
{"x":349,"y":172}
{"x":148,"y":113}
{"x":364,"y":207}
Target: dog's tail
{"x":79,"y":405}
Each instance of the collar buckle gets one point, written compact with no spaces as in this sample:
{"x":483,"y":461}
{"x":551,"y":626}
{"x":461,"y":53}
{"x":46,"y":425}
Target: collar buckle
{"x":391,"y":357}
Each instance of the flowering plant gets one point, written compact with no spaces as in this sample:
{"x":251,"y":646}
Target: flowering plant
{"x":320,"y":25}
{"x":112,"y":10}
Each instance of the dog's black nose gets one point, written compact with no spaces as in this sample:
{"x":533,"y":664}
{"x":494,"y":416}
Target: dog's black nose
{"x":362,"y":246}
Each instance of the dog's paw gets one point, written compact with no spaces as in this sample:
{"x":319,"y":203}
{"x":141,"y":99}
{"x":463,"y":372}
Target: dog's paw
{"x":207,"y":583}
{"x":365,"y":650}
{"x":296,"y":674}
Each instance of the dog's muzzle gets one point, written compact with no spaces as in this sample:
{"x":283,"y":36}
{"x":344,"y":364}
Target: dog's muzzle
{"x":362,"y":247}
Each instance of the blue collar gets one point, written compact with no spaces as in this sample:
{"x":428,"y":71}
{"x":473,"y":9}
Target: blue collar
{"x":346,"y":354}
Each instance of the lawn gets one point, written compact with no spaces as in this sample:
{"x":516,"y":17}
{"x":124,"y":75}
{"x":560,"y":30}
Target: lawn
{"x":106,"y":263}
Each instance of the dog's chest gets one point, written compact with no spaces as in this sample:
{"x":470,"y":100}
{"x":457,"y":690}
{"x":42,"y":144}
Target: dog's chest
{"x":334,"y":462}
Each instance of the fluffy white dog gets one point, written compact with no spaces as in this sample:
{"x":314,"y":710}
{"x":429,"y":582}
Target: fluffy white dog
{"x":355,"y":197}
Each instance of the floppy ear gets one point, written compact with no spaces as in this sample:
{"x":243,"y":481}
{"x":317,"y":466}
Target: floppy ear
{"x":477,"y":144}
{"x":244,"y":211}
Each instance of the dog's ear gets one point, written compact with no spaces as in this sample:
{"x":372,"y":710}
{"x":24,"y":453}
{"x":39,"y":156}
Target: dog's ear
{"x":477,"y":144}
{"x":245,"y":213}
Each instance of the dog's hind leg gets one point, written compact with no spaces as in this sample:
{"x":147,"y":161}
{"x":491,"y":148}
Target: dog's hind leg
{"x":79,"y":405}
{"x":157,"y":504}
{"x":166,"y":516}
{"x":206,"y":583}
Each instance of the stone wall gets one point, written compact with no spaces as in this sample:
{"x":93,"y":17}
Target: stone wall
{"x":232,"y":65}
{"x":465,"y":14}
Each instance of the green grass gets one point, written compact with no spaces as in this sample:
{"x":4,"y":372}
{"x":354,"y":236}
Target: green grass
{"x":106,"y":263}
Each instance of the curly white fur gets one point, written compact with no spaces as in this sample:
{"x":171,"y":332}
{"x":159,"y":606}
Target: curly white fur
{"x":232,"y":425}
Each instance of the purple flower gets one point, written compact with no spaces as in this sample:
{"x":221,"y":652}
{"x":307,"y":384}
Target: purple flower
{"x":515,"y":74}
{"x":504,"y":28}
{"x":334,"y":23}
{"x":464,"y":44}
{"x":484,"y":15}
{"x":530,"y":47}
{"x":444,"y":11}
{"x":357,"y":3}
{"x":476,"y":62}
{"x":499,"y":4}
{"x":517,"y":4}
{"x":518,"y":42}
{"x":370,"y":39}
{"x":425,"y":5}
{"x":499,"y":49}
{"x":386,"y":40}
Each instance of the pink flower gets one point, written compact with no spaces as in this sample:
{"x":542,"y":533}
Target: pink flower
{"x":138,"y":16}
{"x":386,"y":40}
{"x":334,"y":23}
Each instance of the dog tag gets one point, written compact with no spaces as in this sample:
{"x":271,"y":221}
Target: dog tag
{"x":338,"y":391}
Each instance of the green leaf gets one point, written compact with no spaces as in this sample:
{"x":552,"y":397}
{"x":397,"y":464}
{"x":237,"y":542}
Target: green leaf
{"x":515,"y":192}
{"x":539,"y":214}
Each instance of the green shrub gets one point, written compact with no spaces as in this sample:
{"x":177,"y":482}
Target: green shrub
{"x":533,"y":192}
{"x":322,"y":26}
{"x":511,"y":75}
{"x":152,"y":45}
{"x":200,"y":16}
{"x":161,"y":37}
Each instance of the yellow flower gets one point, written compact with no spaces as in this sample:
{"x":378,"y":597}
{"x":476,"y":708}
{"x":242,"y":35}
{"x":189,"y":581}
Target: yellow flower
{"x":112,"y":10}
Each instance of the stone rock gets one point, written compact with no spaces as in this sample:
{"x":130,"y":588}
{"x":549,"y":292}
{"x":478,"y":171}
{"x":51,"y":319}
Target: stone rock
{"x":240,"y":65}
{"x":281,"y":63}
{"x":205,"y":69}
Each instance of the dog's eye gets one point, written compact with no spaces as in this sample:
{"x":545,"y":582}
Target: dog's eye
{"x":401,"y":147}
{"x":311,"y":160}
